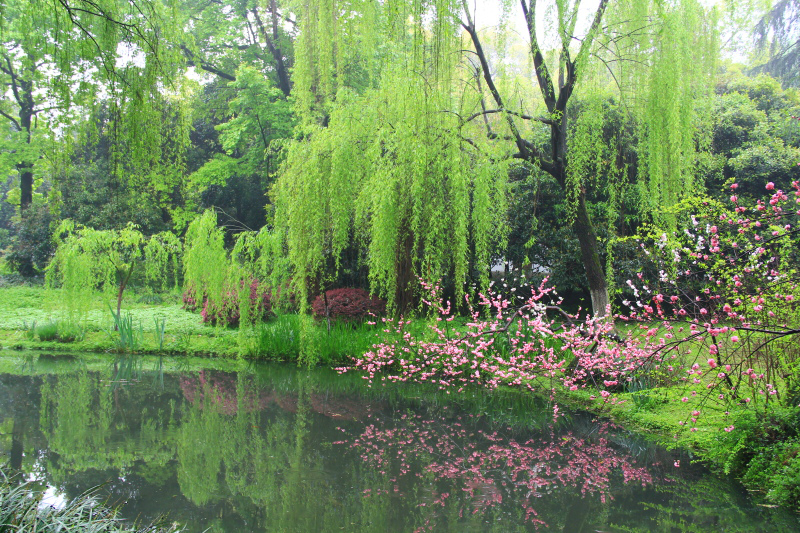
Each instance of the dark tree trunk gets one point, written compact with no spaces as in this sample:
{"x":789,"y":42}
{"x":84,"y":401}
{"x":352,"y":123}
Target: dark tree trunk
{"x":590,"y":255}
{"x":23,"y":91}
{"x":404,"y":293}
{"x":25,"y":185}
{"x":17,"y":445}
{"x":553,"y":159}
{"x":582,"y":225}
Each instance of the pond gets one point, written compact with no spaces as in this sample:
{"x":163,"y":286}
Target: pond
{"x":227,"y":446}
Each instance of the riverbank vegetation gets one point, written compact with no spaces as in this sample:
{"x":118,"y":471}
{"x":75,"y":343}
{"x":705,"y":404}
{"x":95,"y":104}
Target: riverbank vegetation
{"x":603,"y":210}
{"x":23,"y":508}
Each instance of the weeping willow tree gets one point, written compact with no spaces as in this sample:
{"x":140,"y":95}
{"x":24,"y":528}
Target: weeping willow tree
{"x":406,"y":140}
{"x":778,"y":33}
{"x":380,"y":163}
{"x":88,"y":261}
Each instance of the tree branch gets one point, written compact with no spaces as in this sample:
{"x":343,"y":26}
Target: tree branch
{"x":190,"y":60}
{"x":539,"y":65}
{"x":12,"y":119}
{"x":487,"y":76}
{"x":543,"y":120}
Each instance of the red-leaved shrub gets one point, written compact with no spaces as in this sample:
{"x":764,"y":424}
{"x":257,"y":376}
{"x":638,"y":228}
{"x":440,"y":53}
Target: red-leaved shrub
{"x":191,"y":300}
{"x":348,"y":304}
{"x":227,"y":311}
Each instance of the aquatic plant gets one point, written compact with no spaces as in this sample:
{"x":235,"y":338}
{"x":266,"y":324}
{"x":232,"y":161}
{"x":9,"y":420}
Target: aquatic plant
{"x":127,"y":338}
{"x":22,"y":508}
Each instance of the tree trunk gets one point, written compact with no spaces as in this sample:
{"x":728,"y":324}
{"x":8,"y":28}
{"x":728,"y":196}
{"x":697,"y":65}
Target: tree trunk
{"x":25,"y":185}
{"x":405,"y":275}
{"x":24,"y":90}
{"x":598,"y":288}
{"x":25,"y":168}
{"x":124,"y":278}
{"x":17,"y":445}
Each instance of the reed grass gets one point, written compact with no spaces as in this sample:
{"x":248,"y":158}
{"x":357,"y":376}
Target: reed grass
{"x":23,"y":509}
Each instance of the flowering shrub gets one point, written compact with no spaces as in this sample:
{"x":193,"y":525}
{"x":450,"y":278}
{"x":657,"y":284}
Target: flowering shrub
{"x":191,"y":300}
{"x":720,"y":319}
{"x":348,"y":304}
{"x":227,"y":312}
{"x":513,"y":346}
{"x":733,"y":337}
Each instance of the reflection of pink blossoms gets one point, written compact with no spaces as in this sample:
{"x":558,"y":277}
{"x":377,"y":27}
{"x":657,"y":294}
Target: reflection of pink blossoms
{"x":488,"y":469}
{"x":225,"y":394}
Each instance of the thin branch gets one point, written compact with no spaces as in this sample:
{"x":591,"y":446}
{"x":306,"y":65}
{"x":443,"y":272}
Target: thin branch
{"x":12,"y":119}
{"x":544,"y":120}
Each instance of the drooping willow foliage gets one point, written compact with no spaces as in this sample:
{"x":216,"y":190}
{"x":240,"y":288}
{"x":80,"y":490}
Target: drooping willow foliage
{"x":680,"y":73}
{"x":89,"y":261}
{"x":221,"y":277}
{"x":395,"y":159}
{"x":388,"y":168}
{"x":205,"y":262}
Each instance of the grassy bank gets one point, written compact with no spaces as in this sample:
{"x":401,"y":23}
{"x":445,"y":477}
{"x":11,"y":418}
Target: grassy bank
{"x":30,"y":319}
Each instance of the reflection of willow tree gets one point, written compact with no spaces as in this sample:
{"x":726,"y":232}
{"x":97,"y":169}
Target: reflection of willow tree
{"x":468,"y":473}
{"x":18,"y":407}
{"x":701,"y":505}
{"x":255,"y":452}
{"x":256,"y":458}
{"x":87,"y":424}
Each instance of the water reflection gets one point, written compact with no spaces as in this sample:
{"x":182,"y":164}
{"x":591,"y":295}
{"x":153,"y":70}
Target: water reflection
{"x":469,"y":470}
{"x":271,"y":448}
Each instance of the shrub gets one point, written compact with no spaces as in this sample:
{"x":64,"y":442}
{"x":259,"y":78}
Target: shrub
{"x":56,"y":331}
{"x":33,"y":247}
{"x":191,"y":300}
{"x":47,"y":332}
{"x":227,"y":312}
{"x":348,"y":304}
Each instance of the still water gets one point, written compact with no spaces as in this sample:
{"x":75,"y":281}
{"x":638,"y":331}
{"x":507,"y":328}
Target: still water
{"x":236,"y":447}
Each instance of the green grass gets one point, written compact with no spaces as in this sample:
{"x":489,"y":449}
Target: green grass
{"x":29,"y":319}
{"x":47,"y":332}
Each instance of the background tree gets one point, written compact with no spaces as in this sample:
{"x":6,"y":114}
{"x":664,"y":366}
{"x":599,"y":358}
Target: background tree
{"x":777,"y":36}
{"x":76,"y":59}
{"x":225,"y":36}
